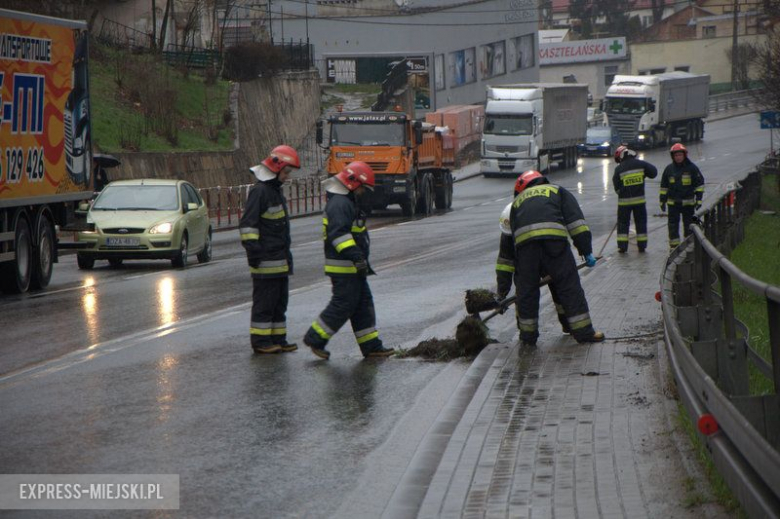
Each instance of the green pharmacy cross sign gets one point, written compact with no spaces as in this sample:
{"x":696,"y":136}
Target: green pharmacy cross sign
{"x":615,"y":47}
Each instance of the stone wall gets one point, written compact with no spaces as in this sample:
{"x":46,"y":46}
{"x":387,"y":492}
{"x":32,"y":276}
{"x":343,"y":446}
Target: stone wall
{"x":270,"y":111}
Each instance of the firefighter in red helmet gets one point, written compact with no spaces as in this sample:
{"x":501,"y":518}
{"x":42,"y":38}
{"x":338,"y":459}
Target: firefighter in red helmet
{"x":629,"y":183}
{"x":346,"y":244}
{"x":265,"y":234}
{"x":682,"y":189}
{"x":542,"y":218}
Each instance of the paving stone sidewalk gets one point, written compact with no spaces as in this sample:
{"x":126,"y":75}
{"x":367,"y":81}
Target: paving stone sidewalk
{"x":582,"y":431}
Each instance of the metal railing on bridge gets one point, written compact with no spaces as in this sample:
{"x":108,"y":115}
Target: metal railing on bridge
{"x":709,"y":350}
{"x":732,"y":100}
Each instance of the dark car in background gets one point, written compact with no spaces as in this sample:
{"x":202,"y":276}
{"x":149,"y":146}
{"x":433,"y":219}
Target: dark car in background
{"x":599,"y":141}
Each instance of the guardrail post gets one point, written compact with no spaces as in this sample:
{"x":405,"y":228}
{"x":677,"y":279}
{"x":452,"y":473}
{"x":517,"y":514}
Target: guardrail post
{"x":734,"y":378}
{"x":773,"y":312}
{"x":219,"y":206}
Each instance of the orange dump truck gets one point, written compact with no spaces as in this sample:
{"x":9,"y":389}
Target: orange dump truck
{"x":411,"y":159}
{"x":45,"y":158}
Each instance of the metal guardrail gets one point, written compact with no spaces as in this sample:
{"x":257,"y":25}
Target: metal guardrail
{"x":226,"y":204}
{"x":709,"y":351}
{"x":731,"y":100}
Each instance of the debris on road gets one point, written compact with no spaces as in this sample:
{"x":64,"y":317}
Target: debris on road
{"x":471,"y":337}
{"x":480,"y":300}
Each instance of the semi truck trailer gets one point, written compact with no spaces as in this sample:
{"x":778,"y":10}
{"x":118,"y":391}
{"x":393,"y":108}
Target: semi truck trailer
{"x":45,"y":157}
{"x":648,"y":111}
{"x":530,"y":126}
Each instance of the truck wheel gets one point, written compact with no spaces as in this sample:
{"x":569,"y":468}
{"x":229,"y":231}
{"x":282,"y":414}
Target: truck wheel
{"x":43,"y":254}
{"x":409,"y":206}
{"x":16,"y":274}
{"x":444,"y":192}
{"x":85,"y":262}
{"x":425,"y":202}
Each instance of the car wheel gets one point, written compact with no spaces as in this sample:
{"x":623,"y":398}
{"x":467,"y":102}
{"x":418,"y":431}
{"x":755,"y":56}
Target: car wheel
{"x":115,"y":262}
{"x":85,"y":262}
{"x":204,"y":256}
{"x":180,"y":260}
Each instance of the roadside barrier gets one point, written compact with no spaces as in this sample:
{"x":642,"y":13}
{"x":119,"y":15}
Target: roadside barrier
{"x":710,"y":353}
{"x":226,"y":204}
{"x":731,"y":100}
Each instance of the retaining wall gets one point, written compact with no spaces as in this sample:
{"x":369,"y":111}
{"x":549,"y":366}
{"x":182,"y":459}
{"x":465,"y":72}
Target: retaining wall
{"x":270,"y":111}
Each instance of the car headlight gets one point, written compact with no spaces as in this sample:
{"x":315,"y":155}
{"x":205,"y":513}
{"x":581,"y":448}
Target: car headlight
{"x":641,"y":137}
{"x":162,"y":228}
{"x":606,"y":143}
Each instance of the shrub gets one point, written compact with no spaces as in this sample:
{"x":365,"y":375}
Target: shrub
{"x":248,"y":60}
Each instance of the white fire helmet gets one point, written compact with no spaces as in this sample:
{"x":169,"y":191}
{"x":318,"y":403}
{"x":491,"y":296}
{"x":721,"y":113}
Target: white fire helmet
{"x":503,"y":222}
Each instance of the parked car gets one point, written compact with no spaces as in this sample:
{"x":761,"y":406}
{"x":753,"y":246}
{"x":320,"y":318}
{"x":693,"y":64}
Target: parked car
{"x":600,"y":140}
{"x":146,"y":219}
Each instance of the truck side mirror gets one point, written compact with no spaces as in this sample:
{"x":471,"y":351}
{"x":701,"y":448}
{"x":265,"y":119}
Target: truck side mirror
{"x":319,"y":132}
{"x":651,"y":105}
{"x":601,"y":105}
{"x":418,"y":135}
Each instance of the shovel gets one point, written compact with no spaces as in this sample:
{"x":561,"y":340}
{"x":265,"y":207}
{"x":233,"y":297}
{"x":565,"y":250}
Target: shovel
{"x":506,"y":303}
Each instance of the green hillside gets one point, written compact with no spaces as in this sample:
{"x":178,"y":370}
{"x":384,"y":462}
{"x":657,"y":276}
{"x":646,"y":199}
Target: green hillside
{"x":139,"y":103}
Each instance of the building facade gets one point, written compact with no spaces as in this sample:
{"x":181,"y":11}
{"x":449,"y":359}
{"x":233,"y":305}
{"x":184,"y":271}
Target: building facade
{"x":458,"y":48}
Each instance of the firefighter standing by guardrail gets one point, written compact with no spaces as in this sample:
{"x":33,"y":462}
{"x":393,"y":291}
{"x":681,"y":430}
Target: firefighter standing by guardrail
{"x":265,"y":234}
{"x":629,"y":183}
{"x":682,"y":189}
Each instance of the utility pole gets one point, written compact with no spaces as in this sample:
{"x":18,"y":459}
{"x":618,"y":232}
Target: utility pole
{"x":307,"y":21}
{"x":734,"y":57}
{"x":270,"y":23}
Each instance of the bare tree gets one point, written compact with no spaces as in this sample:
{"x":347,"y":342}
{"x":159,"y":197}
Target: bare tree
{"x":191,"y":24}
{"x":767,"y":66}
{"x":657,"y":7}
{"x":742,"y":56}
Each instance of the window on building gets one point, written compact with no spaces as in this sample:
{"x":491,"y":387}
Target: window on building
{"x":493,"y":59}
{"x":610,"y":71}
{"x":647,"y":21}
{"x":708,"y":31}
{"x":462,"y":67}
{"x":683,"y":68}
{"x":521,"y":52}
{"x":651,"y":71}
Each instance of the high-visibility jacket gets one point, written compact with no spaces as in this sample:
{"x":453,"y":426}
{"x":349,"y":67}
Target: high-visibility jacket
{"x":265,"y":231}
{"x":549,"y":212}
{"x":505,"y":264}
{"x":629,"y":180}
{"x":682,"y":185}
{"x":345,"y":235}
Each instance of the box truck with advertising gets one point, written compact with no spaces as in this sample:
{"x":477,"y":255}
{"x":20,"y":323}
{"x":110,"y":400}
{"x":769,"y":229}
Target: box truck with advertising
{"x":530,"y":126}
{"x":648,"y":111}
{"x":45,"y":154}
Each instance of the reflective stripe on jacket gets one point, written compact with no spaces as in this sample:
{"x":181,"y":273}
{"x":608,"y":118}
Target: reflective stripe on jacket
{"x":629,"y":180}
{"x":682,"y":184}
{"x":344,"y":234}
{"x":549,"y":212}
{"x":265,"y":230}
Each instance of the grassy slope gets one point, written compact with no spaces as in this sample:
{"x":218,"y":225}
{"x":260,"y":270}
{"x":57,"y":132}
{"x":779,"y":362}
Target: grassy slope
{"x":114,"y":115}
{"x":758,"y":257}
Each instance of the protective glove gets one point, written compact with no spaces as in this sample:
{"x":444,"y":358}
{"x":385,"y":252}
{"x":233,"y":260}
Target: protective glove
{"x":501,"y":295}
{"x":590,"y":260}
{"x":663,"y":207}
{"x":362,"y":267}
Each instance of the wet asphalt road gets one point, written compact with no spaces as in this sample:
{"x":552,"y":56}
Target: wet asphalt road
{"x":147,"y":369}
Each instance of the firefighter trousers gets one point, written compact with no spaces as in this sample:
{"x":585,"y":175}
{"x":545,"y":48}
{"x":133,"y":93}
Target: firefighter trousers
{"x":675,"y":212}
{"x":624,"y":221}
{"x":351,"y":300}
{"x":554,"y":257}
{"x":269,"y":307}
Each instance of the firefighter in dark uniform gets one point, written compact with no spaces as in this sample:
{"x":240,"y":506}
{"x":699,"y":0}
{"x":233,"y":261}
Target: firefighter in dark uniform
{"x":346,"y":263}
{"x":542,"y":218}
{"x":265,"y":234}
{"x":682,"y":189}
{"x":505,"y":266}
{"x":629,"y":183}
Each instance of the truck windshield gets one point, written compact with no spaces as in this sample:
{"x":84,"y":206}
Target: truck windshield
{"x":367,"y":134}
{"x":514,"y":124}
{"x":626,"y":105}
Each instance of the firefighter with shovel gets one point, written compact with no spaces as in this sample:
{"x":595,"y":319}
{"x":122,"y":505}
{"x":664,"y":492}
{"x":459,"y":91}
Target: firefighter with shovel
{"x":542,"y":218}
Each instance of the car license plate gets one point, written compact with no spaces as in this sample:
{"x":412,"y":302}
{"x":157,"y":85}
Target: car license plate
{"x":400,"y":189}
{"x":122,"y":242}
